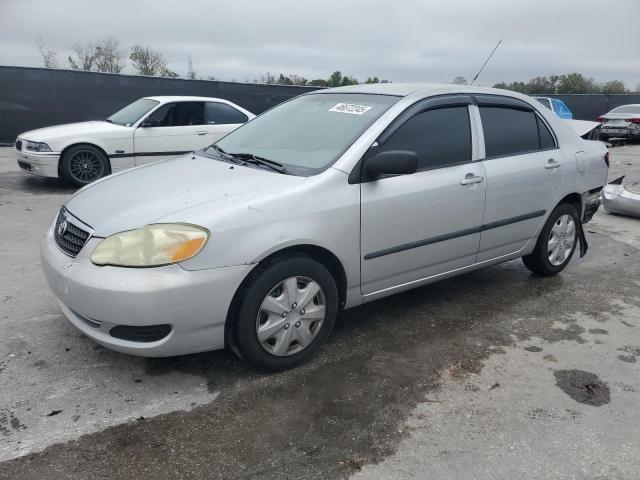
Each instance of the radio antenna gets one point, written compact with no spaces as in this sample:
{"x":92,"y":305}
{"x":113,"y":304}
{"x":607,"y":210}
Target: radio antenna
{"x":485,"y":62}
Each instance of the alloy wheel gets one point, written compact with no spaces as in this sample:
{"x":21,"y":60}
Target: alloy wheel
{"x":85,"y":166}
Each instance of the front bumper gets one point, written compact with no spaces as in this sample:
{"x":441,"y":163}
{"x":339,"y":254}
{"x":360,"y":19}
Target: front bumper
{"x":44,"y":164}
{"x":96,"y":299}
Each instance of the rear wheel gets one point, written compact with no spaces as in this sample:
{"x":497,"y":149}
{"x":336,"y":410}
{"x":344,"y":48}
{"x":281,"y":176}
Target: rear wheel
{"x":84,"y":164}
{"x":556,"y":243}
{"x":287,"y":311}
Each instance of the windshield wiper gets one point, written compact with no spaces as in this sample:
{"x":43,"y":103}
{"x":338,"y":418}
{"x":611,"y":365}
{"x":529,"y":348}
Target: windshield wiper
{"x":107,"y":120}
{"x":223,"y":154}
{"x":256,"y":160}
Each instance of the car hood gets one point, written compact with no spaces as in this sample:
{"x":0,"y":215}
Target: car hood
{"x":190,"y":189}
{"x":58,"y":132}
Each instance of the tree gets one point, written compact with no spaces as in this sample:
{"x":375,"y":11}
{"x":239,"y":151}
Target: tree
{"x":149,"y":62}
{"x":539,"y":85}
{"x":318,"y":82}
{"x":460,"y":81}
{"x":576,"y":83}
{"x":85,"y":56}
{"x":515,"y":86}
{"x":614,"y":86}
{"x":282,"y":80}
{"x":108,"y":57}
{"x":335,"y":80}
{"x":346,"y":81}
{"x":48,"y":56}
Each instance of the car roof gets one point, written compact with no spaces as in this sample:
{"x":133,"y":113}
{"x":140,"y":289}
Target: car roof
{"x":419,"y":89}
{"x":185,"y":98}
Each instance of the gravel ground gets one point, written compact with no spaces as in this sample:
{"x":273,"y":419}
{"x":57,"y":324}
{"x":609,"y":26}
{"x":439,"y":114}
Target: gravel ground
{"x":495,"y":374}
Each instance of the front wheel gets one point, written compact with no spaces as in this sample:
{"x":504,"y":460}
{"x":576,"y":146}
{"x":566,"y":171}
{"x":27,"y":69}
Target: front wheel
{"x":83,"y":164}
{"x":556,"y":243}
{"x":286,"y":312}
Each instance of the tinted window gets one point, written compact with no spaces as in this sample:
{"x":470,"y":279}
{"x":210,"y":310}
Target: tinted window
{"x":440,"y":137}
{"x":508,"y":131}
{"x":544,"y":101}
{"x":546,"y":139}
{"x":221,"y":113}
{"x":178,"y":114}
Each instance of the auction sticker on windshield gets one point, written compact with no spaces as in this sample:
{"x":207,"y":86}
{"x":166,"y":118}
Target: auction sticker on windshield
{"x":351,"y":108}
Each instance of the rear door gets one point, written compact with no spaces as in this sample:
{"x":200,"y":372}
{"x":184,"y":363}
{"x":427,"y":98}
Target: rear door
{"x":419,"y":225}
{"x":524,"y":169}
{"x":220,"y":119}
{"x":173,"y":129}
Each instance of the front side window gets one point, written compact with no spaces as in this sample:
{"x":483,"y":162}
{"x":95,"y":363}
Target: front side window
{"x":223,"y":114}
{"x":133,"y":112}
{"x":177,"y":114}
{"x":309,"y":133}
{"x":440,"y":137}
{"x":508,"y":131}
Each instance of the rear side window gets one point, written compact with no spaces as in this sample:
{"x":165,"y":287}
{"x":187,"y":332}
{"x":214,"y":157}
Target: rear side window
{"x":545,"y":102}
{"x":508,"y":131}
{"x":221,"y":113}
{"x":440,"y":137}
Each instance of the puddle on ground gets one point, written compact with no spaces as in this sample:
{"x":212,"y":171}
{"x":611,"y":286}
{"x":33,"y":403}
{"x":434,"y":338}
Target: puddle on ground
{"x":583,"y":387}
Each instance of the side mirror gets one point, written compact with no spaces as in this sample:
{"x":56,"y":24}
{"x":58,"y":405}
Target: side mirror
{"x":392,"y":162}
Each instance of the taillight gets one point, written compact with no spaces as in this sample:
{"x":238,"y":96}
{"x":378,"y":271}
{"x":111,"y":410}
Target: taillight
{"x":601,"y":119}
{"x":606,"y":158}
{"x":633,"y":120}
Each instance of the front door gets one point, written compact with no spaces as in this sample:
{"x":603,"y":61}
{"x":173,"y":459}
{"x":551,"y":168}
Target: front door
{"x":171,"y":130}
{"x":424,"y":224}
{"x":524,"y":169}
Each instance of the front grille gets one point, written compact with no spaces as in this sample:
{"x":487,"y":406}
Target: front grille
{"x":18,"y":145}
{"x":69,"y":237}
{"x":25,"y":166}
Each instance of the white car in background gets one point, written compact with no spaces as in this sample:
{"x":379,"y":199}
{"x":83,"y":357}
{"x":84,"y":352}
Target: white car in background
{"x":621,"y":122}
{"x":149,"y":129}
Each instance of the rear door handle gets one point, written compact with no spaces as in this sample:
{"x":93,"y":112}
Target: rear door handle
{"x":470,"y":178}
{"x":551,"y":164}
{"x":202,"y":133}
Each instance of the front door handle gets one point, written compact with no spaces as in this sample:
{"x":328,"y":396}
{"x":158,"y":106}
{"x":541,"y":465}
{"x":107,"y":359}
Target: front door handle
{"x":552,"y":164}
{"x":470,"y":178}
{"x":202,"y":133}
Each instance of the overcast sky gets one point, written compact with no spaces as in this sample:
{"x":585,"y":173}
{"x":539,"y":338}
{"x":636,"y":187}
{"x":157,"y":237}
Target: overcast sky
{"x":399,"y":40}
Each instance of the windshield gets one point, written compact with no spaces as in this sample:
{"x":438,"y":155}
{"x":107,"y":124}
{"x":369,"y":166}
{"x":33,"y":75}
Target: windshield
{"x":626,"y":109}
{"x":133,"y":112}
{"x":309,"y":133}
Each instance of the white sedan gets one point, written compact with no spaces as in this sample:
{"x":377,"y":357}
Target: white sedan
{"x":149,"y":129}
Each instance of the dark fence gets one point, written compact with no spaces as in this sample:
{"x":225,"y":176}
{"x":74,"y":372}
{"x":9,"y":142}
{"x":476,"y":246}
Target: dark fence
{"x":38,"y":97}
{"x":591,"y":106}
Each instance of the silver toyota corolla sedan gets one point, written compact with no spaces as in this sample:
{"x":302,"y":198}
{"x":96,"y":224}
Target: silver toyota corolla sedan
{"x":328,"y":201}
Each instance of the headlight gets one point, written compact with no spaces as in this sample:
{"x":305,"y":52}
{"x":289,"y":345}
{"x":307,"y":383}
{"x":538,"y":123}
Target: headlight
{"x":151,"y":246}
{"x":36,"y":147}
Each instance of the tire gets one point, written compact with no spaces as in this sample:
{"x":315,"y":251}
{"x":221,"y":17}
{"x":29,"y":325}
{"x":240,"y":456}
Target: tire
{"x":273,"y":333}
{"x":546,"y":260}
{"x":84,"y":164}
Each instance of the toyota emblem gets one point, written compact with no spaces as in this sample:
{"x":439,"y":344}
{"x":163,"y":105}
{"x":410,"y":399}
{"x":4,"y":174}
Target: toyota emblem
{"x":62,"y":228}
